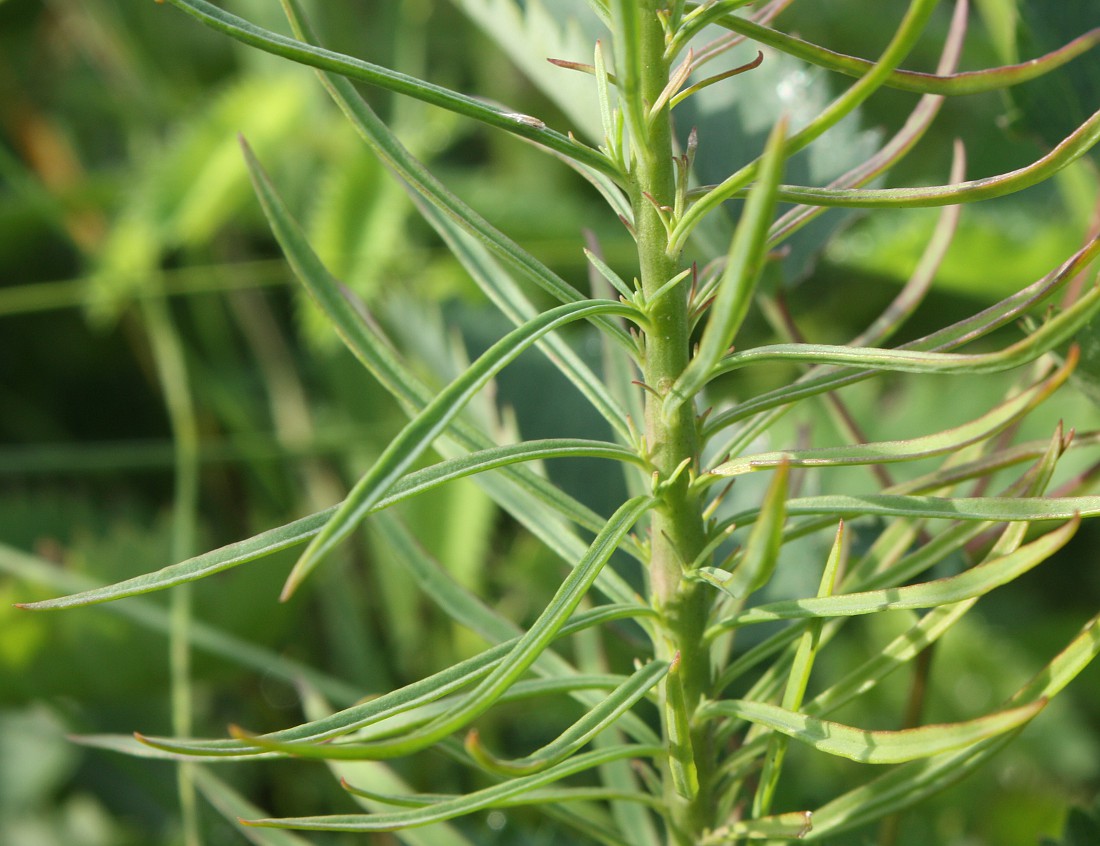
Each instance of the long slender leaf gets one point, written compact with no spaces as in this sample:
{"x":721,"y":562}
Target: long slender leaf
{"x":422,"y":430}
{"x":503,"y":665}
{"x":301,"y":530}
{"x":1055,"y":331}
{"x":387,"y":705}
{"x":418,"y":435}
{"x":914,"y":782}
{"x":905,"y":37}
{"x":469,"y":610}
{"x":605,"y":714}
{"x":874,"y":747}
{"x":798,"y":679}
{"x":413,"y":174}
{"x":925,"y":446}
{"x":976,"y":326}
{"x":973,"y":582}
{"x":948,"y":84}
{"x":352,"y":68}
{"x":450,"y":809}
{"x":1075,"y":145}
{"x":154,"y":618}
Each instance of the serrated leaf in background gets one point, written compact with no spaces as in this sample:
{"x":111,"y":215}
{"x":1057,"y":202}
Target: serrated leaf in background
{"x":530,"y":35}
{"x":1051,"y":107}
{"x":733,"y":119}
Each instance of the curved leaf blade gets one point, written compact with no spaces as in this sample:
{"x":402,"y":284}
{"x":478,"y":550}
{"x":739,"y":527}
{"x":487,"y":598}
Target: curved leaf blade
{"x":971,"y":583}
{"x":876,"y":747}
{"x":327,"y":60}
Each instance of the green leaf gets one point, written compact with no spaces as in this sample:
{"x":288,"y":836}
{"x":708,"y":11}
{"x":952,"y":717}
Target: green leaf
{"x":326,"y":60}
{"x":1059,"y":329}
{"x":154,"y":618}
{"x":487,"y":797}
{"x":950,"y":508}
{"x":604,"y":715}
{"x":904,"y":39}
{"x":383,"y":707}
{"x":1069,"y":150}
{"x":502,"y":666}
{"x":791,"y":826}
{"x":681,"y":755}
{"x":422,"y":430}
{"x":874,"y":747}
{"x":881,"y":452}
{"x":469,"y":610}
{"x":761,"y":552}
{"x":969,"y":82}
{"x":412,"y":172}
{"x":798,"y":679}
{"x":981,"y":324}
{"x":380,"y":777}
{"x":914,"y":782}
{"x":974,"y":582}
{"x":299,"y":531}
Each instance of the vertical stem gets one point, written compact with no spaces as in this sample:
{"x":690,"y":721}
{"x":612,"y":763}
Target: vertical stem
{"x":677,"y":528}
{"x":172,"y":372}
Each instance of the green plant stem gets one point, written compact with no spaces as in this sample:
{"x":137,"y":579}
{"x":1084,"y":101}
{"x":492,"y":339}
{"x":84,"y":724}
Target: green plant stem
{"x":171,"y":369}
{"x":677,"y":531}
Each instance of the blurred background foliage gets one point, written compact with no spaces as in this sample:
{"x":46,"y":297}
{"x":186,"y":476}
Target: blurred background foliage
{"x":125,"y":212}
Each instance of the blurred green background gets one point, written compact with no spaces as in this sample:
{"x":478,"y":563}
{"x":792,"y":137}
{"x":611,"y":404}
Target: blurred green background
{"x":127,"y":226}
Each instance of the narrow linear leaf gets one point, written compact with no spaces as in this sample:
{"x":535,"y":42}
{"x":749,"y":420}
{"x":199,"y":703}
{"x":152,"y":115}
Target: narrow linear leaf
{"x":874,"y":747}
{"x":412,"y":173}
{"x":301,"y":530}
{"x":976,"y":581}
{"x":1073,"y":147}
{"x":761,"y":552}
{"x":904,"y":39}
{"x":327,"y":60}
{"x":1059,"y":329}
{"x":681,"y":754}
{"x":604,"y":715}
{"x":469,"y":610}
{"x":526,"y":649}
{"x":881,"y":452}
{"x":977,"y":326}
{"x":387,"y":705}
{"x":995,"y":509}
{"x":791,"y":826}
{"x":798,"y":680}
{"x":422,"y":430}
{"x":966,"y":82}
{"x":155,"y":618}
{"x":535,"y":502}
{"x":549,"y":796}
{"x":914,"y":782}
{"x":465,"y":804}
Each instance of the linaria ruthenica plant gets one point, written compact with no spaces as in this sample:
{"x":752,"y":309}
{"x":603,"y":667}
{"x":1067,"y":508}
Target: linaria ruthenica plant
{"x":703,"y":580}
